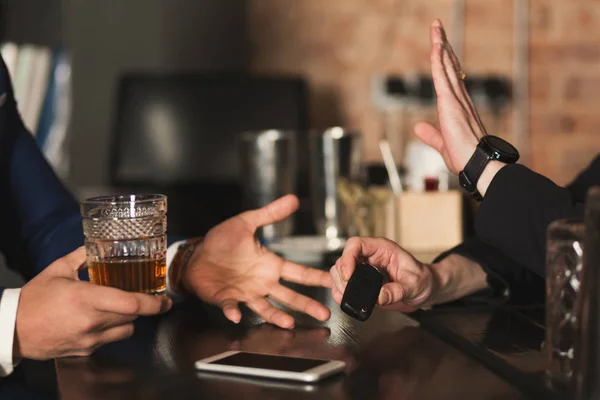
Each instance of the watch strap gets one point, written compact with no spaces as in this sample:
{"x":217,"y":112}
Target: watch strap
{"x":477,"y":163}
{"x":180,"y":260}
{"x":474,"y":169}
{"x":489,"y":148}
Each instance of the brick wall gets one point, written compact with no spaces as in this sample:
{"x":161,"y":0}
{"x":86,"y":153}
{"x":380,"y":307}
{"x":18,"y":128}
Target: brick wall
{"x":339,"y":45}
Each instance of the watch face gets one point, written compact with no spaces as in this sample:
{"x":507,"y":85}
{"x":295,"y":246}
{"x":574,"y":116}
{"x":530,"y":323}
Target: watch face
{"x":506,"y":151}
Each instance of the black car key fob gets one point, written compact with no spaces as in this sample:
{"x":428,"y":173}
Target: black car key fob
{"x":362,"y":292}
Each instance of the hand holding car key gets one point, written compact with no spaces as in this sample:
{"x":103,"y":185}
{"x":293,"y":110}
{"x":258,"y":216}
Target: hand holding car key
{"x":378,"y":271}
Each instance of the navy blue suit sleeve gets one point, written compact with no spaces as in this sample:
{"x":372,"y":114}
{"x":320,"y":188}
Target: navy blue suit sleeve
{"x":40,"y":218}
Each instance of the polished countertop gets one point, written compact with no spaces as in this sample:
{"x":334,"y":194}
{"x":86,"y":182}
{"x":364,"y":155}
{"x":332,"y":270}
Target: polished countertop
{"x":446,"y":353}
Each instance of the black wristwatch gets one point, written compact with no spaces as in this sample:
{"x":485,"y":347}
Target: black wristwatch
{"x":489,"y":148}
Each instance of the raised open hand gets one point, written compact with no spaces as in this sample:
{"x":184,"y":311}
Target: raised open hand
{"x":460,"y":125}
{"x":233,"y":267}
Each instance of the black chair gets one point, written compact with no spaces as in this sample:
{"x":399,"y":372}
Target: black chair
{"x":176,"y":133}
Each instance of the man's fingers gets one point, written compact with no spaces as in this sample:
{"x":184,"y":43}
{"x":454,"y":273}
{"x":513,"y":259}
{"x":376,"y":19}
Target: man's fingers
{"x":299,"y":302}
{"x":112,"y":320}
{"x":453,"y":68}
{"x":482,"y":131}
{"x":442,"y":50}
{"x":115,"y":334}
{"x":456,"y":66}
{"x":347,"y":266}
{"x":337,"y":296}
{"x":448,"y":47}
{"x":338,"y":283}
{"x":90,"y":343}
{"x":435,"y":33}
{"x":461,"y":87}
{"x":353,"y":252}
{"x":378,"y":252}
{"x":231,"y":310}
{"x":464,"y":95}
{"x":113,"y":300}
{"x":151,"y":305}
{"x":270,"y":313}
{"x":272,"y":212}
{"x":438,"y":68}
{"x":439,"y":73}
{"x":297,"y":273}
{"x":452,"y":71}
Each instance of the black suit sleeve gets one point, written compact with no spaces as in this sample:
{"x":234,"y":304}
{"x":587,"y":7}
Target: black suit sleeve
{"x":586,"y":179}
{"x":514,"y":216}
{"x":510,"y":282}
{"x":520,"y":204}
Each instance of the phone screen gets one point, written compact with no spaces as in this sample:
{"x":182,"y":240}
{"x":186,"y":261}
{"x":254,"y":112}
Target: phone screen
{"x":266,"y":361}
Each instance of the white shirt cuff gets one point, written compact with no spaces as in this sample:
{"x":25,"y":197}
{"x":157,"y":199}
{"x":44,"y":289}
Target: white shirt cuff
{"x":171,"y":251}
{"x":9,"y":303}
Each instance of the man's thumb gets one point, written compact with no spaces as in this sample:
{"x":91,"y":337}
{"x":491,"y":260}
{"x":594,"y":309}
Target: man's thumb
{"x":69,"y":265}
{"x":391,"y":293}
{"x":430,"y":135}
{"x":273,"y":212}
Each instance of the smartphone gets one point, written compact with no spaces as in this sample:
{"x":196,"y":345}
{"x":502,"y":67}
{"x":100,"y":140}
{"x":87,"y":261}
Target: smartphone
{"x":271,"y":366}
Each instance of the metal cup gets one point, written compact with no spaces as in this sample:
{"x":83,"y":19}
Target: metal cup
{"x":334,"y":154}
{"x":268,"y":171}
